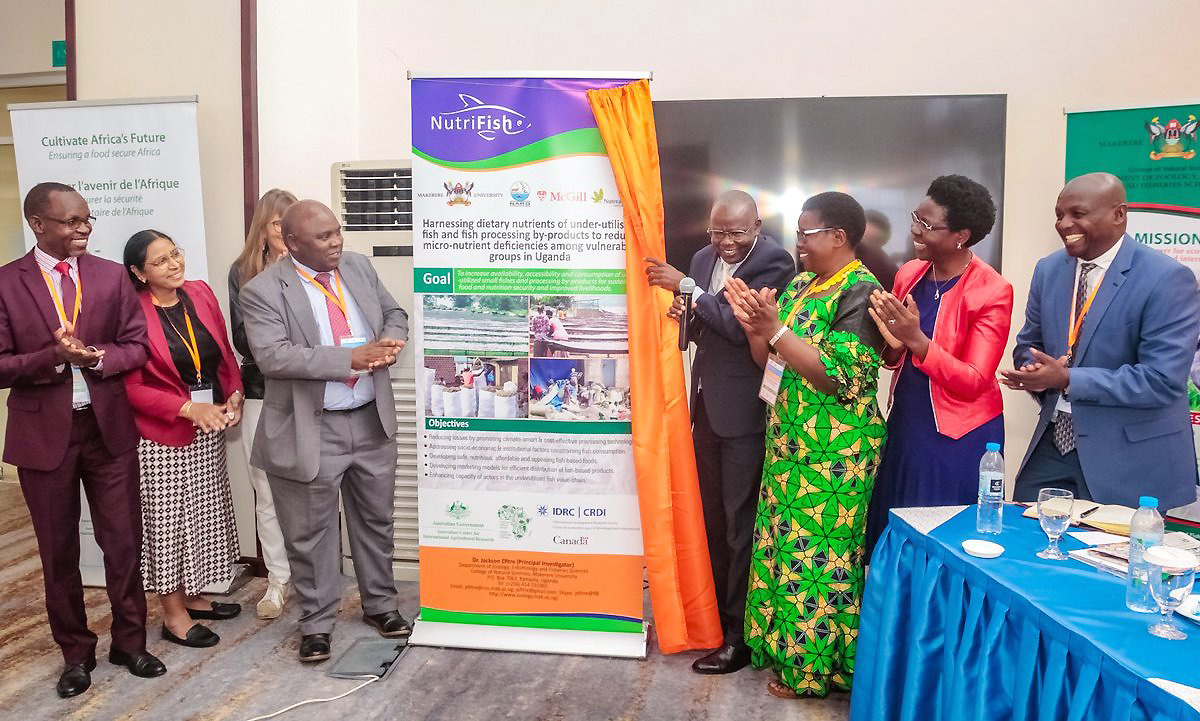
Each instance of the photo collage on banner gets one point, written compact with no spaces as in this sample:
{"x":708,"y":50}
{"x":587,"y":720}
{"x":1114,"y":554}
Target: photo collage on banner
{"x":1154,"y":151}
{"x":527,"y":498}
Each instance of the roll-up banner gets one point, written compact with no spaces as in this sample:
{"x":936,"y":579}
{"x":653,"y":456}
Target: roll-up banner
{"x":530,"y":536}
{"x":1154,"y":151}
{"x":137,"y":164}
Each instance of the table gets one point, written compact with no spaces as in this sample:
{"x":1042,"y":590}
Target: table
{"x":948,"y":636}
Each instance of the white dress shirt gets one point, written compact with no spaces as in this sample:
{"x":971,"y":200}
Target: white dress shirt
{"x":1095,"y":276}
{"x":80,"y":397}
{"x":338,"y":395}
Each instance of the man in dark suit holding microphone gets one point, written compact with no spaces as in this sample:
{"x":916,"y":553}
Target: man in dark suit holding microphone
{"x":728,"y":419}
{"x":70,"y":328}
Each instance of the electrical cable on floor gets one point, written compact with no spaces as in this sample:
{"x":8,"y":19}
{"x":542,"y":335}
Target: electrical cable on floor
{"x":370,"y":680}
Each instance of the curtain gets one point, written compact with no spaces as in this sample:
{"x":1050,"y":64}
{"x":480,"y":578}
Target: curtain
{"x":673,"y":537}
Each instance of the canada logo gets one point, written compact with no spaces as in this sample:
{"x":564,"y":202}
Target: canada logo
{"x":1173,"y":140}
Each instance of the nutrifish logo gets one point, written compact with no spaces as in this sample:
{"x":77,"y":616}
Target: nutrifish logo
{"x":486,"y":120}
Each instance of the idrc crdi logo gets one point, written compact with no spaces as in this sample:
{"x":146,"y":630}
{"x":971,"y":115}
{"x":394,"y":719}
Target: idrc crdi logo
{"x":486,"y":120}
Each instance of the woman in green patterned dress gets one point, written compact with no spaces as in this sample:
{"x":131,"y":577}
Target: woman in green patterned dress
{"x":824,"y":436}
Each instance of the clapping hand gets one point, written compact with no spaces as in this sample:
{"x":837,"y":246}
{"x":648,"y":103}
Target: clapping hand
{"x":1043,"y":374}
{"x":898,"y":323}
{"x":70,"y":349}
{"x":755,"y":310}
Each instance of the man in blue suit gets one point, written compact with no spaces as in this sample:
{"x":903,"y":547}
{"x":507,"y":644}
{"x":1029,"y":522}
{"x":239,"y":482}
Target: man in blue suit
{"x":728,"y":418}
{"x":1110,"y":333}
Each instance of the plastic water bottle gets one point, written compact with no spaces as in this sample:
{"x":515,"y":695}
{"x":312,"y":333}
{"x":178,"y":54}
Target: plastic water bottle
{"x":989,"y":515}
{"x":1145,"y":530}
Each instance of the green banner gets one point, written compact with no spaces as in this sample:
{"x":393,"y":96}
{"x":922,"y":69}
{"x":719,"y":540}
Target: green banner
{"x":520,"y":281}
{"x":1153,"y":151}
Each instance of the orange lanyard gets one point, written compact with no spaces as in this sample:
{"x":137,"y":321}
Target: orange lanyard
{"x":814,"y":287}
{"x":339,"y":300}
{"x":58,"y":303}
{"x":1076,"y":322}
{"x":193,"y":348}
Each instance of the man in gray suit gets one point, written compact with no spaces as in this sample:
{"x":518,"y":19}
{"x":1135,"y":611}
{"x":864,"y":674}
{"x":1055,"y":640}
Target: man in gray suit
{"x":324,"y":330}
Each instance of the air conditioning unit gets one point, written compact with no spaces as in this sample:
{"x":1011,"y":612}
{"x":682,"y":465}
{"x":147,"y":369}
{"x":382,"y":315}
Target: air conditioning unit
{"x":373,"y":200}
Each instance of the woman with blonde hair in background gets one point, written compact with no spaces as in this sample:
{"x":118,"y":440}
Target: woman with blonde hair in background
{"x":264,"y":245}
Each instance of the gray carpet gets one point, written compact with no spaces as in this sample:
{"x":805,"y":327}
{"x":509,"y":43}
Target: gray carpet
{"x":254,"y":669}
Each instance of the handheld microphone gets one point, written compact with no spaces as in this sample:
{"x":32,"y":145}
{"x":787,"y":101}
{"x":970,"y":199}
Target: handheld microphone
{"x":686,"y":286}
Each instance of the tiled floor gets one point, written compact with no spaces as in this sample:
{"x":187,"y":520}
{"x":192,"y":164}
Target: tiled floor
{"x":254,"y":669}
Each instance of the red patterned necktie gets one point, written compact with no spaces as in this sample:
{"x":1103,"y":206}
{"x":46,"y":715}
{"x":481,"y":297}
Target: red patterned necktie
{"x":338,"y":322}
{"x":68,"y":290}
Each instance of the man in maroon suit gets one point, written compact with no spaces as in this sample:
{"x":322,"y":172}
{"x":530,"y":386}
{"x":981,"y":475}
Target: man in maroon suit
{"x":70,"y":326}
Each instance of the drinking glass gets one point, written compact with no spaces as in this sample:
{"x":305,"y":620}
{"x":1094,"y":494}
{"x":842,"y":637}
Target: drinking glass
{"x":1172,"y":572}
{"x":1054,"y":513}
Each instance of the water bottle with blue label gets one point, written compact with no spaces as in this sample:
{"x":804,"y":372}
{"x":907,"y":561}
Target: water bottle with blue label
{"x":1145,"y":530}
{"x":989,"y":514}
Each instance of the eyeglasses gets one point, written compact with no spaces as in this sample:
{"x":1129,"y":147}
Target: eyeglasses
{"x":921,"y":226}
{"x":718,"y":234}
{"x":72,"y":223}
{"x":175,"y":256}
{"x":811,"y":232}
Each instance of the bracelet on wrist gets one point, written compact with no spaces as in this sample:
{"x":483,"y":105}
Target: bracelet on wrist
{"x":775,"y":338}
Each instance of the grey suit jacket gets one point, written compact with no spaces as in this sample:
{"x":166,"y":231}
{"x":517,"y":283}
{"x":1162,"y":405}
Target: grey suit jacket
{"x":284,"y":337}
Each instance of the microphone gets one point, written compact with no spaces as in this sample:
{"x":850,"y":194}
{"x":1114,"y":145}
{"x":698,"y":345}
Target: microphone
{"x":686,"y":286}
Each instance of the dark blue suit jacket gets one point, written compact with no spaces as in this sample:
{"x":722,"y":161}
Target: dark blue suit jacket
{"x":723,"y":364}
{"x":1128,"y":388}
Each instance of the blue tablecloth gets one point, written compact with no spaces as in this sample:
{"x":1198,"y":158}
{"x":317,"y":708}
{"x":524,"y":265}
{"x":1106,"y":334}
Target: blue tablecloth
{"x":948,"y":636}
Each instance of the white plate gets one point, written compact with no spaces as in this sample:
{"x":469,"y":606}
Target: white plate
{"x":982,"y":549}
{"x":1190,"y":608}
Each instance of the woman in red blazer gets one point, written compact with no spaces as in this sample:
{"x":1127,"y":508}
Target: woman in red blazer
{"x":945,"y":340}
{"x":188,"y":393}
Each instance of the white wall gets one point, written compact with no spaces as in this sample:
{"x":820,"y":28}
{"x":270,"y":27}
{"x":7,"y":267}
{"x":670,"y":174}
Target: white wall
{"x":27,"y":30}
{"x":307,"y":93}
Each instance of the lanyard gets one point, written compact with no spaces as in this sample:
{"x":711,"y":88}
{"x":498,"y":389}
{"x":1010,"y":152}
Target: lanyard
{"x":1076,"y":323}
{"x":193,"y":348}
{"x":58,"y":302}
{"x":339,"y":300}
{"x":814,"y":287}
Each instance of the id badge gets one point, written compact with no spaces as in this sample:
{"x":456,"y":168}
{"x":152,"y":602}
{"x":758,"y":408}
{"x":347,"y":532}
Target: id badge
{"x":79,"y":387}
{"x":772,"y":378}
{"x":201,"y":393}
{"x":353,"y":341}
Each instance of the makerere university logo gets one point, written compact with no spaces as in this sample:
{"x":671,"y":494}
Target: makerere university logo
{"x":1173,"y":140}
{"x":486,"y":120}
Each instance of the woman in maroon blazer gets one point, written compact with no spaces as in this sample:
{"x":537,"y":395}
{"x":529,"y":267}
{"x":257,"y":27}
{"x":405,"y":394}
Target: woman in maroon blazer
{"x":946,"y":325}
{"x":184,"y":398}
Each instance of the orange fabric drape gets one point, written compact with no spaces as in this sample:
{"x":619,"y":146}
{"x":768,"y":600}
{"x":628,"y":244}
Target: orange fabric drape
{"x":676,"y":550}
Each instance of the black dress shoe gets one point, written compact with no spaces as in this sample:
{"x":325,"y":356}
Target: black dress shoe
{"x":726,"y":659}
{"x":314,"y":647}
{"x":75,"y":679}
{"x":142,"y":663}
{"x":389,"y":624}
{"x":219,"y":612}
{"x":197,"y":637}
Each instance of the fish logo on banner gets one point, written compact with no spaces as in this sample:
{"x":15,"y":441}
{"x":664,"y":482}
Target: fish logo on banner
{"x":1173,"y":140}
{"x":487,"y":120}
{"x":459,"y":193}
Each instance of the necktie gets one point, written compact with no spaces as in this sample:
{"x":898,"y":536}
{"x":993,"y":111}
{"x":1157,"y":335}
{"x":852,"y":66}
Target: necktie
{"x":68,"y":290}
{"x":338,"y":323}
{"x":1064,"y":424}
